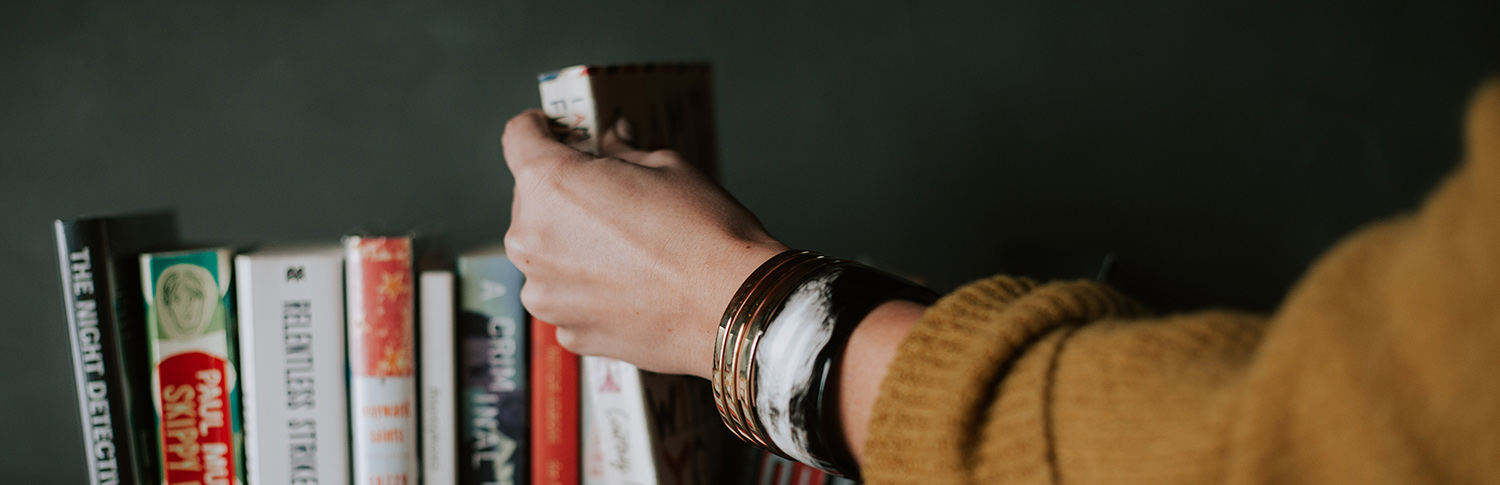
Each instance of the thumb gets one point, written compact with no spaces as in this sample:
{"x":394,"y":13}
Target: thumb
{"x":530,"y":147}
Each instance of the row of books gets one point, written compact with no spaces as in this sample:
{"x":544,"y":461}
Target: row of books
{"x":362,"y":362}
{"x":378,"y":362}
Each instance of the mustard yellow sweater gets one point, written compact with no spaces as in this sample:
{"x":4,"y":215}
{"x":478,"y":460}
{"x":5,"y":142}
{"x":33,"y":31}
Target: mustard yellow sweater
{"x":1382,"y":366}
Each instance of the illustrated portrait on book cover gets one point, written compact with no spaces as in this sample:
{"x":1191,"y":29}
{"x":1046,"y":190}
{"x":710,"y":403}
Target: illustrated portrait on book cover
{"x":187,"y":295}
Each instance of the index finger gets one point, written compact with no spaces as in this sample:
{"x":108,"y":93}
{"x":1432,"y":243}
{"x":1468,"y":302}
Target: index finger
{"x":529,"y":146}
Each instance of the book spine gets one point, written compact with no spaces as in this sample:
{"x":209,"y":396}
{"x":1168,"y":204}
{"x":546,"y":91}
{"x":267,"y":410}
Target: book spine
{"x":775,"y":470}
{"x":292,"y":354}
{"x":568,"y":98}
{"x":554,"y":408}
{"x":670,"y":107}
{"x":592,"y":447}
{"x":494,"y":445}
{"x":382,"y":378}
{"x":619,"y":412}
{"x":190,"y":326}
{"x":688,"y":438}
{"x":439,"y":408}
{"x":98,"y":374}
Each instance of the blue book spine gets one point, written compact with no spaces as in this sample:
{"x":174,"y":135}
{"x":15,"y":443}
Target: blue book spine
{"x":495,"y":397}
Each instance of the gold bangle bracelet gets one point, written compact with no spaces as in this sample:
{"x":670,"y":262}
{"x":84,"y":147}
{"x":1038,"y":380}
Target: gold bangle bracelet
{"x":732,"y":392}
{"x":743,"y":370}
{"x":803,"y":306}
{"x":729,"y":329}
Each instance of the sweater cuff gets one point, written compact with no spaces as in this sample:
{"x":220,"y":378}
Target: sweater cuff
{"x":972,"y":374}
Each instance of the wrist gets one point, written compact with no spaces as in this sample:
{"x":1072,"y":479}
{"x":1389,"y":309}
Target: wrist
{"x":738,"y":260}
{"x":779,"y":347}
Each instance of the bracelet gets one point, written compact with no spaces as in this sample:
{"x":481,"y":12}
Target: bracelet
{"x":778,"y":347}
{"x":739,"y":332}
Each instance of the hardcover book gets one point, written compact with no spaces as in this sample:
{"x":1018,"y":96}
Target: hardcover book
{"x":381,"y":348}
{"x":439,"y":405}
{"x":669,"y":105}
{"x":190,"y":326}
{"x":494,"y":416}
{"x":100,"y":269}
{"x":592,"y":449}
{"x":652,"y":428}
{"x":657,"y":428}
{"x":618,"y":407}
{"x":291,"y":335}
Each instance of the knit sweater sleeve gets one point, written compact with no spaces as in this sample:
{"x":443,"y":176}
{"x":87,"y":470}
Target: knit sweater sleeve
{"x":1378,"y":368}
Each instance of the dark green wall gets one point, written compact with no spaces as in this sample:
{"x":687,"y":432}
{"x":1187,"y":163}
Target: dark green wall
{"x":1216,"y":147}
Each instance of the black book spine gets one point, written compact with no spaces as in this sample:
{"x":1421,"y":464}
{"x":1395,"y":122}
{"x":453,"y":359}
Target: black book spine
{"x":101,"y":281}
{"x":113,"y":456}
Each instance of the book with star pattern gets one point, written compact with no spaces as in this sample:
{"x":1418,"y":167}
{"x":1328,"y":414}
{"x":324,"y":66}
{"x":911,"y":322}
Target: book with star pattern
{"x":379,"y":297}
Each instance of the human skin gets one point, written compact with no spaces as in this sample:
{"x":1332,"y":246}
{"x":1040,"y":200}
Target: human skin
{"x":634,"y":255}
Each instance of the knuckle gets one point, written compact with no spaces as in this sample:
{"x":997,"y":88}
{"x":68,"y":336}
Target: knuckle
{"x":670,"y":159}
{"x":518,"y":249}
{"x":665,"y":156}
{"x":570,"y":339}
{"x":536,"y":299}
{"x":552,"y":179}
{"x":517,"y":241}
{"x":520,"y":120}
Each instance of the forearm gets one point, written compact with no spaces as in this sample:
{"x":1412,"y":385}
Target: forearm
{"x":866,"y":360}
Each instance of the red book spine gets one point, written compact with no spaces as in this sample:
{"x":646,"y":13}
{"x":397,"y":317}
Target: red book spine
{"x":554,"y":409}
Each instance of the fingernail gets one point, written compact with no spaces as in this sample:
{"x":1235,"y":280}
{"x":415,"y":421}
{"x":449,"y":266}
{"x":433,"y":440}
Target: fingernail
{"x":624,"y":130}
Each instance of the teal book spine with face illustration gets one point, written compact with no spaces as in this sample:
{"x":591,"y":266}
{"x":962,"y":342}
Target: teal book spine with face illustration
{"x":190,"y":328}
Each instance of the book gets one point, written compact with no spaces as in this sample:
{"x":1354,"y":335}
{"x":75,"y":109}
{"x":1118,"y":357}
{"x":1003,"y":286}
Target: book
{"x":656,"y":428}
{"x":775,"y":470}
{"x":437,"y":362}
{"x":291,"y":336}
{"x":652,"y":428}
{"x":554,"y":409}
{"x":592,"y":447}
{"x":381,"y":348}
{"x":618,"y":411}
{"x":493,"y":410}
{"x":100,"y":269}
{"x":190,"y":327}
{"x":669,"y":105}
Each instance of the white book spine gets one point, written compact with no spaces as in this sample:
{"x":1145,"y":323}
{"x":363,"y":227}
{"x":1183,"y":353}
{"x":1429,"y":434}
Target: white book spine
{"x":568,"y":97}
{"x":592,"y":444}
{"x":291,"y":307}
{"x":439,"y":425}
{"x":619,"y":412}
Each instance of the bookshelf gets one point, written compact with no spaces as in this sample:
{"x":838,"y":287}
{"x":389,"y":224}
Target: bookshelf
{"x":1191,"y":151}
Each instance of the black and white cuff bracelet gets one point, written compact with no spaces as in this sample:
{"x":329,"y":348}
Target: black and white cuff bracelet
{"x":779,"y":345}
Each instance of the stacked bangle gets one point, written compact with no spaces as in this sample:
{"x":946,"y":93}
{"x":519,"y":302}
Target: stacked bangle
{"x":779,"y":344}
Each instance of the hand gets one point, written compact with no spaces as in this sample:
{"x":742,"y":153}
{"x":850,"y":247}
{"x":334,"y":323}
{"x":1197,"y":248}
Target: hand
{"x":633,"y":255}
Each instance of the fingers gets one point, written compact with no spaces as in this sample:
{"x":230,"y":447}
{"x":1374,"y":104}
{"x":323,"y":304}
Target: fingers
{"x":617,"y":142}
{"x":530,"y":147}
{"x":569,"y":340}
